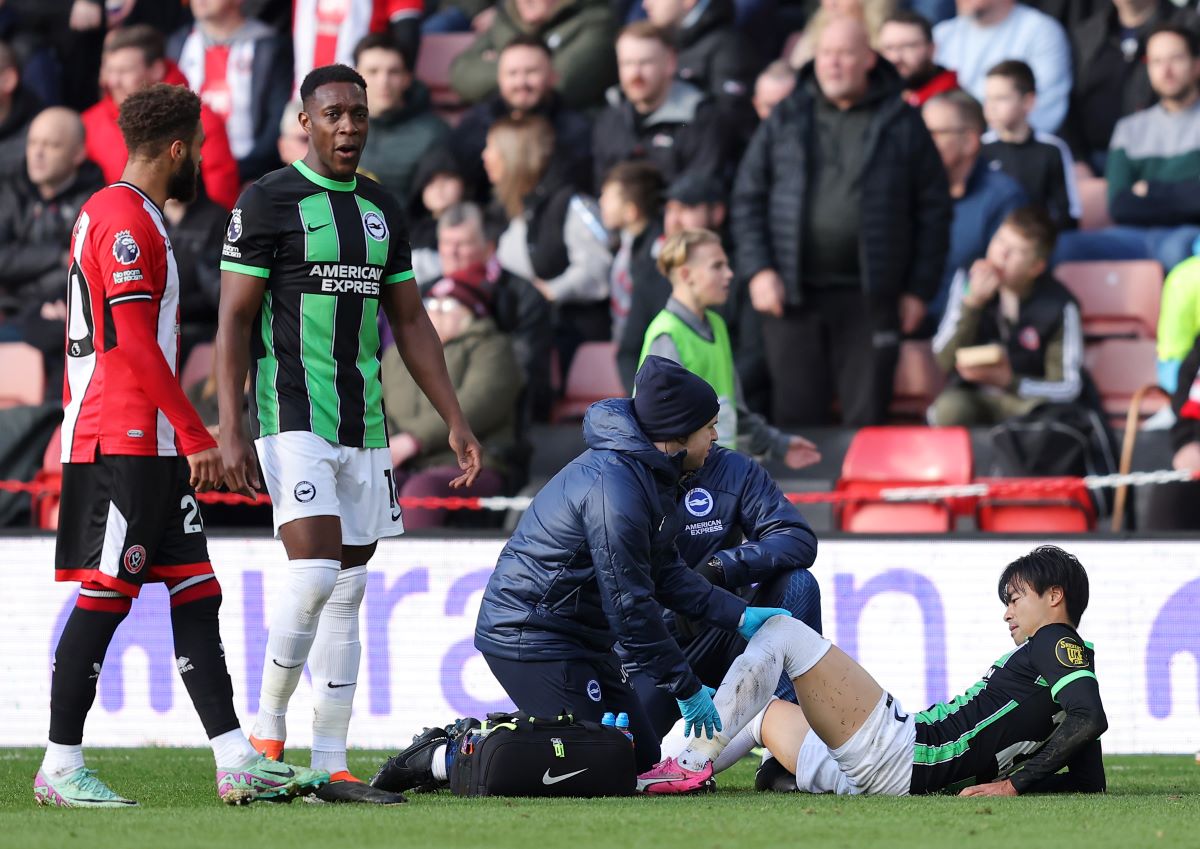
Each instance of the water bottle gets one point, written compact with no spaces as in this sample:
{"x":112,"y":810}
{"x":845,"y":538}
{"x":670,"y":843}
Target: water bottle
{"x":623,"y":725}
{"x":610,"y":720}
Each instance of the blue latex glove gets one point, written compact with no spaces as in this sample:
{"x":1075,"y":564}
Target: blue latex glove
{"x":700,"y":714}
{"x":754,"y":618}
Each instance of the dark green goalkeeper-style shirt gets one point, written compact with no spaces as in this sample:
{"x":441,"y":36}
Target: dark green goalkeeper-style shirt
{"x":326,"y":249}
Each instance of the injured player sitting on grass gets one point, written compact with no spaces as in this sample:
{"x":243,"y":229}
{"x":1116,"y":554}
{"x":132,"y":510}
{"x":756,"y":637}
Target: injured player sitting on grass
{"x":1035,"y":711}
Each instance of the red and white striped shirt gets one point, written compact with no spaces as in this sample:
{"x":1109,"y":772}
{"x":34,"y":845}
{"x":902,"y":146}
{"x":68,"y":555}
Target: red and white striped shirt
{"x":325,"y":32}
{"x":121,"y":254}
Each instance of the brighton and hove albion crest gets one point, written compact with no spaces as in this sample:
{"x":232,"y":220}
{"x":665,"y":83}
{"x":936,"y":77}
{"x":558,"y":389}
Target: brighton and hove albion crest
{"x":375,"y":226}
{"x":699,"y":502}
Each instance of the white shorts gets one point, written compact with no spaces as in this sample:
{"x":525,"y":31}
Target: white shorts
{"x":306,"y":475}
{"x":877,"y":760}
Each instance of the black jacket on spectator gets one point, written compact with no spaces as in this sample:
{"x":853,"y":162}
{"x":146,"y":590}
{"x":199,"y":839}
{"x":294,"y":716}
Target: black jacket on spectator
{"x":716,"y":56}
{"x":572,"y":140}
{"x":1108,"y":84}
{"x":196,"y":241}
{"x":522,"y":313}
{"x":650,"y":293}
{"x":35,"y":236}
{"x":906,"y":206}
{"x":545,"y":214}
{"x":689,"y":132}
{"x":25,"y":107}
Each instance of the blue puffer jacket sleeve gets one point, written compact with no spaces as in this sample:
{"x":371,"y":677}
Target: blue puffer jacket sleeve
{"x":618,"y":517}
{"x":778,"y":538}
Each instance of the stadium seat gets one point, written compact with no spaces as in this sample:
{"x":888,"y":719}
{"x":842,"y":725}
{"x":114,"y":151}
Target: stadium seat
{"x":1064,"y":507}
{"x":437,"y":53}
{"x":22,"y":375}
{"x":888,"y":457}
{"x":1093,"y":196}
{"x":592,"y":377}
{"x":1116,"y":298}
{"x":198,"y":366}
{"x":1120,"y":367}
{"x":918,"y":381}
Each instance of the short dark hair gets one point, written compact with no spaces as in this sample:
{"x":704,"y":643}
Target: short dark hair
{"x":1035,"y":224}
{"x":968,"y":108}
{"x":641,"y":184}
{"x":649,"y":32}
{"x":910,"y":18}
{"x":377,"y":41}
{"x":327,"y":74}
{"x":1045,"y":567}
{"x":531,"y":41}
{"x":1016,"y":72}
{"x":141,"y":37}
{"x":1189,"y":37}
{"x":156,"y":117}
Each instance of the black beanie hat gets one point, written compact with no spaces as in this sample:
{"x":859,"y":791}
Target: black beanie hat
{"x":669,"y":401}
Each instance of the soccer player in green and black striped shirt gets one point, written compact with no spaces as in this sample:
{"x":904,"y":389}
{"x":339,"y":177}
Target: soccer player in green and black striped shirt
{"x":1035,"y":712}
{"x":311,"y":253}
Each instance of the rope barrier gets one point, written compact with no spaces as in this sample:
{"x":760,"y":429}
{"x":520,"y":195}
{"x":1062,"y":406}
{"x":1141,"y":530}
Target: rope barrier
{"x":50,"y":485}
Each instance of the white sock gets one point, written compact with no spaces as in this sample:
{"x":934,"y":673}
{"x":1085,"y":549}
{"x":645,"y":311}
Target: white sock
{"x":293,"y":627}
{"x":750,"y":683}
{"x":738,"y":748}
{"x":232,"y":750}
{"x":438,"y":764}
{"x":61,"y":760}
{"x":333,"y":661}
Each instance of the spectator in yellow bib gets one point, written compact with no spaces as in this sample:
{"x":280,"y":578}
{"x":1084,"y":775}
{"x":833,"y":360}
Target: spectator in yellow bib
{"x":689,"y":332}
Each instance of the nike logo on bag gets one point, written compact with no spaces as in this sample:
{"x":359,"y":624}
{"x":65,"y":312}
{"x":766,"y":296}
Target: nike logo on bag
{"x":333,"y":686}
{"x":312,"y":229}
{"x":554,"y":779}
{"x":284,"y":666}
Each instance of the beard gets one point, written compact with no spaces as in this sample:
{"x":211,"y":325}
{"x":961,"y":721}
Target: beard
{"x":182,"y":185}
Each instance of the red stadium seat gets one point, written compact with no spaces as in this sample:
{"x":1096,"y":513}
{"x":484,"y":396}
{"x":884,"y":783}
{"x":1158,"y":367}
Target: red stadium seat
{"x":1093,"y":196}
{"x":887,"y":457}
{"x":1066,"y":507}
{"x":1116,"y":298}
{"x":1120,"y":367}
{"x":22,"y":375}
{"x":198,"y":366}
{"x":592,"y":377}
{"x":437,"y":53}
{"x":918,"y":381}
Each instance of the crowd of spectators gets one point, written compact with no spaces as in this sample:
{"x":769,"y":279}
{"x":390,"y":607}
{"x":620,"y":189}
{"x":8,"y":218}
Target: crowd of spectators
{"x":871,"y":170}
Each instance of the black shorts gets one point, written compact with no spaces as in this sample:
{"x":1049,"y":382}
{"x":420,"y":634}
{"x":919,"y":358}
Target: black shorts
{"x":125,"y":521}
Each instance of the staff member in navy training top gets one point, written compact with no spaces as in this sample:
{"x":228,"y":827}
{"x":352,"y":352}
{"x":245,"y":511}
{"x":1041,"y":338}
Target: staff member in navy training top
{"x":594,"y":556}
{"x":739,"y":531}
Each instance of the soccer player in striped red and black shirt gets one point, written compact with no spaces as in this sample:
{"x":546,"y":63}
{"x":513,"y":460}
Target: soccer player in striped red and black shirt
{"x":134,"y":454}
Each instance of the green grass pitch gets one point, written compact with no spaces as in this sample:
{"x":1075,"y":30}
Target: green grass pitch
{"x":1153,"y":801}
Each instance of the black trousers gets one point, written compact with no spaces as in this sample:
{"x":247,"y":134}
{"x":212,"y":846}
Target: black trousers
{"x":584,"y":688}
{"x":838,"y":342}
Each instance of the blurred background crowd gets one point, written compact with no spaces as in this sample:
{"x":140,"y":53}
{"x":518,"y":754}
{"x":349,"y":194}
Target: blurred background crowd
{"x":925,"y":212}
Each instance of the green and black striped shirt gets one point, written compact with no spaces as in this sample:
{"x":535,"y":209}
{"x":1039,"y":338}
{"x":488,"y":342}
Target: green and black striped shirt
{"x":988,"y":733}
{"x":326,"y":249}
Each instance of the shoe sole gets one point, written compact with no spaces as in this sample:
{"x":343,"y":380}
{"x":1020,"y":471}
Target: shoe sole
{"x":707,"y":786}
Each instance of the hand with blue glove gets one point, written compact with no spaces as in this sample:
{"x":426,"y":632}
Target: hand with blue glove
{"x":700,"y":714}
{"x":754,"y":617}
